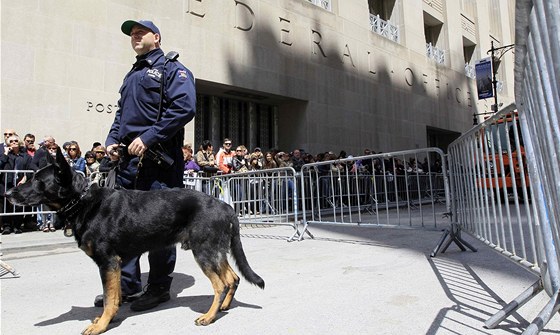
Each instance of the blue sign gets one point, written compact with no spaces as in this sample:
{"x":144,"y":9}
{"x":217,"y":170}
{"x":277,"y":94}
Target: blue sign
{"x":484,"y":87}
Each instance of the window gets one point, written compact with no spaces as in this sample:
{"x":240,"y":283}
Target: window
{"x":383,"y":8}
{"x":468,"y":25}
{"x":468,"y":53}
{"x":432,"y":32}
{"x":325,"y":4}
{"x":384,"y":18}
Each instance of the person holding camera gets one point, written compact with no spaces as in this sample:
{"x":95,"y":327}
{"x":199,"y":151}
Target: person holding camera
{"x":157,"y":100}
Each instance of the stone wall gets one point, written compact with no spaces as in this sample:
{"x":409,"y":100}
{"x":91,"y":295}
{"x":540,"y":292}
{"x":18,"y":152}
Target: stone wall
{"x":337,"y":85}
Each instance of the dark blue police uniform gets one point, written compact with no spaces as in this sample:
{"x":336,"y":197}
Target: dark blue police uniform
{"x":137,"y":117}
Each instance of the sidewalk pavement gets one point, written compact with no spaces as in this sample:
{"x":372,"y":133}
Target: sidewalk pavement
{"x":348,"y":280}
{"x":36,"y":243}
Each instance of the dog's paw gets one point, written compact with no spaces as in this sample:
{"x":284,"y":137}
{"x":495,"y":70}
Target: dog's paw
{"x":204,"y":320}
{"x":94,"y":329}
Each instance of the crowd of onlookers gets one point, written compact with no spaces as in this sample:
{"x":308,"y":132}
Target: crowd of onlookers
{"x":229,"y":160}
{"x":25,"y":153}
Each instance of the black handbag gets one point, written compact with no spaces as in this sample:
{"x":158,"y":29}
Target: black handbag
{"x":210,"y":169}
{"x":206,"y":168}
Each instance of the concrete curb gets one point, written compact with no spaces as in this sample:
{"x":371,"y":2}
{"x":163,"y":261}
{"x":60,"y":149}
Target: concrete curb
{"x":35,"y":243}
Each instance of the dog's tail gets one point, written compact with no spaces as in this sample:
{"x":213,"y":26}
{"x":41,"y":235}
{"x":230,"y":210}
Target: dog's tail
{"x":239,"y":256}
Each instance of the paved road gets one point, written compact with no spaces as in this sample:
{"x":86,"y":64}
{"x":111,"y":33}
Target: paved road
{"x":345,"y":281}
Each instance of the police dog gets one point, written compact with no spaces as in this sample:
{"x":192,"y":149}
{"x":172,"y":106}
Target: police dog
{"x":114,"y":224}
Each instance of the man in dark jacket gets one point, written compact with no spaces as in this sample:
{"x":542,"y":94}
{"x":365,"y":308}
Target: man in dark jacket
{"x":146,"y":127}
{"x":14,"y":158}
{"x":40,"y":157}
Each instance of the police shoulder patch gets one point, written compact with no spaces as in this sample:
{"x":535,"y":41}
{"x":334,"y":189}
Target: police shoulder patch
{"x":182,"y":74}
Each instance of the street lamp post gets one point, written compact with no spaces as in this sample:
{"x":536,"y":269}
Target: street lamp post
{"x":495,"y":64}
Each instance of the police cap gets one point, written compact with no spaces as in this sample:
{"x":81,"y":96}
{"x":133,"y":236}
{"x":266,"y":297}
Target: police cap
{"x":126,"y":27}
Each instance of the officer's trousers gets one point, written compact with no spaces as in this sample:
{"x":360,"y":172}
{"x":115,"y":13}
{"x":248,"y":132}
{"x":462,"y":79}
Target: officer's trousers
{"x":162,"y":262}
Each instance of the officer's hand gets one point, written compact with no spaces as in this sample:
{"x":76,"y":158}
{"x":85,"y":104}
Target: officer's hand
{"x":137,"y":147}
{"x":112,"y":148}
{"x":113,"y":151}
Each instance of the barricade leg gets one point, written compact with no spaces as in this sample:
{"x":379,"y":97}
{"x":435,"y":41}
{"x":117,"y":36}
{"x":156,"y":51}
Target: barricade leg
{"x":544,"y":316}
{"x":6,"y":268}
{"x":299,"y":234}
{"x":516,"y":303}
{"x":452,"y":235}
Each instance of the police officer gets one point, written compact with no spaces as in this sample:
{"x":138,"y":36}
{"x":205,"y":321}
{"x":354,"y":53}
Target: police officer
{"x":145,"y":128}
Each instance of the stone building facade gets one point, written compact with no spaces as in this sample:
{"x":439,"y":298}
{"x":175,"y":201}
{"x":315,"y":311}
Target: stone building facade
{"x":313,"y":74}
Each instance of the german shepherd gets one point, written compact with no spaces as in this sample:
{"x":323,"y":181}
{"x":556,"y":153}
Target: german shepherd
{"x":114,"y":224}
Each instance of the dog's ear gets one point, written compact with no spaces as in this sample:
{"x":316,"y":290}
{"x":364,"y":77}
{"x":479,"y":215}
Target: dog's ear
{"x":64,"y":169}
{"x":60,"y":159}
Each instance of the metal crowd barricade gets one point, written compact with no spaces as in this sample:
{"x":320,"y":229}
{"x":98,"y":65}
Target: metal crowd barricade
{"x":505,"y":173}
{"x":264,"y":196}
{"x":491,"y":189}
{"x":258,"y":197}
{"x":9,"y":179}
{"x":390,"y":190}
{"x":97,"y":177}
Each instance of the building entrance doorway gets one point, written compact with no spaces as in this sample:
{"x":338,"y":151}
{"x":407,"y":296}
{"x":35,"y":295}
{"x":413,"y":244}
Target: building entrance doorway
{"x":440,"y":138}
{"x":246,"y":123}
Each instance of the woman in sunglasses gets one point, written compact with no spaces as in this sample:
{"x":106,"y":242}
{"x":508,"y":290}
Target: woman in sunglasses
{"x":92,"y":167}
{"x":75,"y":158}
{"x":14,"y":158}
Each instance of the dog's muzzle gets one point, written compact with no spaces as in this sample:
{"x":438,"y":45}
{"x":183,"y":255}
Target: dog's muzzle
{"x":15,"y":197}
{"x":9,"y":195}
